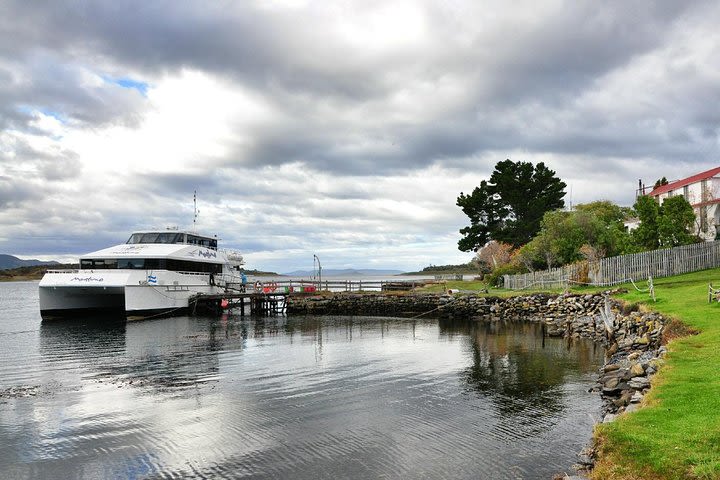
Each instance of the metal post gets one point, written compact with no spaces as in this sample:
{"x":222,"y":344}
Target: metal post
{"x":315,"y":257}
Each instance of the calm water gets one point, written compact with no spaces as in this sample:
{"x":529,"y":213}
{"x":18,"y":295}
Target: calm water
{"x":309,"y":397}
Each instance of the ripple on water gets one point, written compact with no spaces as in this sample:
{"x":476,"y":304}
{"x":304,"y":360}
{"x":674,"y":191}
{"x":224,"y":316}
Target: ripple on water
{"x":306,"y":398}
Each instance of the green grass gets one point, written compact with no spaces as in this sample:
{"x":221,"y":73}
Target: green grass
{"x":677,"y":434}
{"x":480,"y":287}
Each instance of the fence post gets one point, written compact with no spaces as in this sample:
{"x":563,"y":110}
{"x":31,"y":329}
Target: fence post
{"x":651,"y":287}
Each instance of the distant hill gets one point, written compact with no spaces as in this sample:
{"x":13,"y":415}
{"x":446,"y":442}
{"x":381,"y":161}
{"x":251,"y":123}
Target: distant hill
{"x":8,"y":262}
{"x":34,"y":272}
{"x":348,"y":272}
{"x":258,"y":273}
{"x":465,"y":268}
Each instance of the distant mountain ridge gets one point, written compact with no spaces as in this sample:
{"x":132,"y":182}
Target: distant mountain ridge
{"x":347,"y":272}
{"x":8,"y":261}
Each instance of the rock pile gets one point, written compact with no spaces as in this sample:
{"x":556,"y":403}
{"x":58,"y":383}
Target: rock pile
{"x":383,"y":304}
{"x":635,"y":355}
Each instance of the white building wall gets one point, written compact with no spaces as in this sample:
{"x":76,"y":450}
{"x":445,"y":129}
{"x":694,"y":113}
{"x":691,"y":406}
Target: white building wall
{"x":714,"y":187}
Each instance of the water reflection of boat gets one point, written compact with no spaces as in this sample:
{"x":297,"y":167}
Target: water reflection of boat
{"x":172,"y":354}
{"x":153,"y":272}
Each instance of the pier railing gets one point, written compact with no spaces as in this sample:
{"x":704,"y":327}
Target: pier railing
{"x":310,"y":286}
{"x":233,"y":283}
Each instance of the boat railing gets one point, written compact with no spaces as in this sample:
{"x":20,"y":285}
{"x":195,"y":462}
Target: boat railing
{"x":197,"y":274}
{"x":75,"y":270}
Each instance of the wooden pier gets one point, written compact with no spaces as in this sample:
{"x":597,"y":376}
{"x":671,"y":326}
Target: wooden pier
{"x":262,"y":304}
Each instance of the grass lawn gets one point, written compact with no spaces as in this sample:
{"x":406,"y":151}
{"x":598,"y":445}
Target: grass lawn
{"x":479,"y":287}
{"x":466,"y":286}
{"x":677,"y":434}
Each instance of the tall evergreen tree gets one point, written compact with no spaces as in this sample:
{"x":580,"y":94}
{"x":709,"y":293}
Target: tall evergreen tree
{"x":645,"y":235}
{"x":485,"y":211}
{"x":510,"y":207}
{"x":662,"y":226}
{"x":676,"y":222}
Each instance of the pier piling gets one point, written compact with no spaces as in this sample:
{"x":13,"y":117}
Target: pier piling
{"x":262,"y":304}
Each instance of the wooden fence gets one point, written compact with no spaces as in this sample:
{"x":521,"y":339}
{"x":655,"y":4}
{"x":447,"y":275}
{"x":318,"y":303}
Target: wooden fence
{"x":621,"y":269}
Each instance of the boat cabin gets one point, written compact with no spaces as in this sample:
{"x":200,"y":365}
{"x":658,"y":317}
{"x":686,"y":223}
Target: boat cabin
{"x":173,"y":237}
{"x":157,"y":258}
{"x":149,"y":264}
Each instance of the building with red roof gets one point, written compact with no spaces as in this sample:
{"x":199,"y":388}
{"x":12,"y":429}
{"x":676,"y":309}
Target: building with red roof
{"x":702,"y":191}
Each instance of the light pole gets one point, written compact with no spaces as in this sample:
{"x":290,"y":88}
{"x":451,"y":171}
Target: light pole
{"x":315,"y":257}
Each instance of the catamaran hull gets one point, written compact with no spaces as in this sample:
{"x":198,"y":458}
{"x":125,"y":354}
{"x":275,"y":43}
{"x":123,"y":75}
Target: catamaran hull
{"x":77,"y":294}
{"x":72,"y":301}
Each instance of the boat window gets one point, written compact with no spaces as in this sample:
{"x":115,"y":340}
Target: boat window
{"x":150,"y":264}
{"x":202,"y":241}
{"x":131,"y":263}
{"x":134,"y":238}
{"x":189,"y":266}
{"x":172,"y":237}
{"x":97,"y":264}
{"x":155,"y":264}
{"x":169,"y":237}
{"x":149,"y":238}
{"x":156,"y":237}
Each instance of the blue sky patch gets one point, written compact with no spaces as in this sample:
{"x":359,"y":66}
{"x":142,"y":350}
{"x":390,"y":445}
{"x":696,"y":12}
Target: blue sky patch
{"x":125,"y":82}
{"x":31,"y":109}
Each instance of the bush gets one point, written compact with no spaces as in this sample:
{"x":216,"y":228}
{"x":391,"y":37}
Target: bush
{"x":495,"y":279}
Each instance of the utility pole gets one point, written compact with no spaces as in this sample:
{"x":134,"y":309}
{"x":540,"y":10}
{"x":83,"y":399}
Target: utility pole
{"x":319,"y":269}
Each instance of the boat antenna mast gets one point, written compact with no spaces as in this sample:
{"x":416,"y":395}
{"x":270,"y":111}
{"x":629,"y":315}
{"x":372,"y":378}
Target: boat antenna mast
{"x":196,"y":212}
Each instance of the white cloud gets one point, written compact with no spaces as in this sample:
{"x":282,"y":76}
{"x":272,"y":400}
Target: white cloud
{"x":345,"y":129}
{"x":190,"y":121}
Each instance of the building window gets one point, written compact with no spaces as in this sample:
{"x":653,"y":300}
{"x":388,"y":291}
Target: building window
{"x":703,"y":219}
{"x":686,"y":193}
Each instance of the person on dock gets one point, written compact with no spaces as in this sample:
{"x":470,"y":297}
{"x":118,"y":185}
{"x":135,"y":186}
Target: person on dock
{"x":243,"y":281}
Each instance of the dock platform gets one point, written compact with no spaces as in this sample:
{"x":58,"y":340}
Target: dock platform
{"x":266,"y":304}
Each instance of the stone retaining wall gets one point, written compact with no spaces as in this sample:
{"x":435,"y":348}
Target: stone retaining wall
{"x":634,"y":345}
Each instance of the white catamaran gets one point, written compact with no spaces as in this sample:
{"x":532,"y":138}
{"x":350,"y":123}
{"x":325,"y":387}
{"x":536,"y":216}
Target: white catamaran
{"x":154,"y":272}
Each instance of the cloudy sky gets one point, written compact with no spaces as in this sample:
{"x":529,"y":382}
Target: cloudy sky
{"x":344,"y":129}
